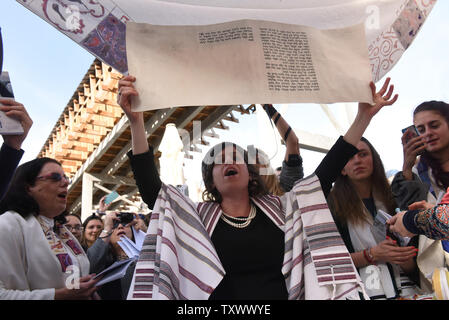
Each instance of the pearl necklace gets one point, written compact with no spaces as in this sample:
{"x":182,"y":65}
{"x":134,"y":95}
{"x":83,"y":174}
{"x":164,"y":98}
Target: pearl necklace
{"x":248,"y":219}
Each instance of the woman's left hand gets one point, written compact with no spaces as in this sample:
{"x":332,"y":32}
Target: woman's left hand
{"x":381,"y":99}
{"x":367,"y":111}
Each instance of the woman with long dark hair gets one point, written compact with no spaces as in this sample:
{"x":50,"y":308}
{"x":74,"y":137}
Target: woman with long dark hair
{"x":360,"y":190}
{"x":41,"y":259}
{"x":92,"y":227}
{"x":425,"y":176}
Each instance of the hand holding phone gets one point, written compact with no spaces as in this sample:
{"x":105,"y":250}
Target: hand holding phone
{"x":409,"y":133}
{"x":411,"y":150}
{"x":111,"y":197}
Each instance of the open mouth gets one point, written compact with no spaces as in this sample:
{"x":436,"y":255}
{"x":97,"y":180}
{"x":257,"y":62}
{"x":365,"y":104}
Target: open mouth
{"x":121,"y":233}
{"x":62,"y":195}
{"x":230,"y":172}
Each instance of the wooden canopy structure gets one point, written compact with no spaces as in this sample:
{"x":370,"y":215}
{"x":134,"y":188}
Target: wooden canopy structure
{"x":92,"y":136}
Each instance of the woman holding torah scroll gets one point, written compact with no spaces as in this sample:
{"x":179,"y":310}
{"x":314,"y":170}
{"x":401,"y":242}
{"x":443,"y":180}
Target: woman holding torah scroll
{"x":241,"y":243}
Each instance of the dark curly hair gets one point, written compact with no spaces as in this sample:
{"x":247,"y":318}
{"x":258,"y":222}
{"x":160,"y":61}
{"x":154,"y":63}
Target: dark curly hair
{"x":441,"y":177}
{"x":256,"y":186}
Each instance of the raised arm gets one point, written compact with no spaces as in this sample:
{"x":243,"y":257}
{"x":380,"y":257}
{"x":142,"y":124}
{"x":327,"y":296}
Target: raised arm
{"x":11,"y":151}
{"x":141,"y":156}
{"x":292,"y":169}
{"x":345,"y":147}
{"x":126,"y":91}
{"x":284,"y":129}
{"x":366,"y":112}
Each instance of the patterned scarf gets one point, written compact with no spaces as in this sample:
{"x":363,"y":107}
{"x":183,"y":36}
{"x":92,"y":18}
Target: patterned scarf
{"x":179,"y":261}
{"x":56,"y":240}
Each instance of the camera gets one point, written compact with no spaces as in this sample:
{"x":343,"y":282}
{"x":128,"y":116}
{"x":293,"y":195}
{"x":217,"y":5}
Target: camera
{"x":123,"y":218}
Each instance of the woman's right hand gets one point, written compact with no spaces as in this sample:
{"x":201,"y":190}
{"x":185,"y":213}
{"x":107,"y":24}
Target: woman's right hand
{"x":389,"y":251}
{"x":109,"y":220}
{"x":125,"y":92}
{"x":102,"y":205}
{"x":86,"y":289}
{"x":411,"y":150}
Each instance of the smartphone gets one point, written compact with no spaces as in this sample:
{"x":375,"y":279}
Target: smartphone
{"x":111,"y":197}
{"x":411,"y":133}
{"x":8,"y":125}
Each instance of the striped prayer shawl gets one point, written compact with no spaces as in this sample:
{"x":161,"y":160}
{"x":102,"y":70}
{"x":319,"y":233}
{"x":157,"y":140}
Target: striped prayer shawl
{"x":179,"y":261}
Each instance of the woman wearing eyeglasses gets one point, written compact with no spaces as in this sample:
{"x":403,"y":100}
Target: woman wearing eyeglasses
{"x":75,"y":226}
{"x":40,"y":258}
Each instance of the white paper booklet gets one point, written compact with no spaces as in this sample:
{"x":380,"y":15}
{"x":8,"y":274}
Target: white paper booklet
{"x":8,"y":125}
{"x":131,"y":248}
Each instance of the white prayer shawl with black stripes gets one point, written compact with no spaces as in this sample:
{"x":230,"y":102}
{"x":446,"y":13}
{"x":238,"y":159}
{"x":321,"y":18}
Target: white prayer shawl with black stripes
{"x":178,"y":259}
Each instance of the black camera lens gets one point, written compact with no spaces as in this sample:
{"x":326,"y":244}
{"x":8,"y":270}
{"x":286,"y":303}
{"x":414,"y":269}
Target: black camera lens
{"x":123,"y":218}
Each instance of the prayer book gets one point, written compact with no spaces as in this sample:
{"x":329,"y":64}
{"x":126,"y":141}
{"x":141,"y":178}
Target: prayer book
{"x":8,"y":125}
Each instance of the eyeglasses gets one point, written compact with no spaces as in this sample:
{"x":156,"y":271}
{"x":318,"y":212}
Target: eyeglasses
{"x":74,"y":228}
{"x":54,"y":176}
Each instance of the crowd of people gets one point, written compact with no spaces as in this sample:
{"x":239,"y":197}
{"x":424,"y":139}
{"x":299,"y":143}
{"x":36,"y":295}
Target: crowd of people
{"x":258,"y":234}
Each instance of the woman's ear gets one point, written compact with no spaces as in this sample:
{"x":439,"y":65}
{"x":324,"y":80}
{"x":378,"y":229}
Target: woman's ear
{"x":343,"y":172}
{"x":28,"y":188}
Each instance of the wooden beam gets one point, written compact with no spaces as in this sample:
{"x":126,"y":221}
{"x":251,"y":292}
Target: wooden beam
{"x":221,"y":125}
{"x":118,"y":180}
{"x":78,"y":146}
{"x":72,"y":155}
{"x":230,"y":117}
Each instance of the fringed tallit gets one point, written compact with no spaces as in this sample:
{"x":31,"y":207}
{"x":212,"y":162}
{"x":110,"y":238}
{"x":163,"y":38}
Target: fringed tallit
{"x":178,"y":259}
